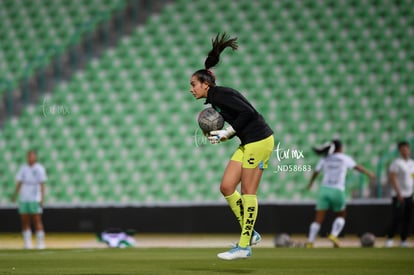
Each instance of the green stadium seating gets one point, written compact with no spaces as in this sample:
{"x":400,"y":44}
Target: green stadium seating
{"x":32,"y":32}
{"x":315,"y":70}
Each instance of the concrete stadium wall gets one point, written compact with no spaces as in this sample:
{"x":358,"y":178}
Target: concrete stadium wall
{"x":292,"y":219}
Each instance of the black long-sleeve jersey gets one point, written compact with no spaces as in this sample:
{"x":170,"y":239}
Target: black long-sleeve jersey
{"x":249,"y":125}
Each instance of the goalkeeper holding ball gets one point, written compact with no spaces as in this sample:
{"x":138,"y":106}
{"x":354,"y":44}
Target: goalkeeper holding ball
{"x":250,"y":158}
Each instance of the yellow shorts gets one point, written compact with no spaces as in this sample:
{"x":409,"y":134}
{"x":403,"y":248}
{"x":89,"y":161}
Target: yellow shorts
{"x":255,"y":153}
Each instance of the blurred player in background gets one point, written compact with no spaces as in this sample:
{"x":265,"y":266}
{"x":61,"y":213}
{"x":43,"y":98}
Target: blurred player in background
{"x":331,"y":195}
{"x":30,"y":189}
{"x":401,"y":176}
{"x":250,"y":158}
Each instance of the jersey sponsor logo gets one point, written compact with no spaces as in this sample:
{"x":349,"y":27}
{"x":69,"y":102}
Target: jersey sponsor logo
{"x":250,"y":221}
{"x":248,"y":229}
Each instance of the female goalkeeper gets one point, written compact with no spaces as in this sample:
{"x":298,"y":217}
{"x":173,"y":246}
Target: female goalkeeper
{"x":250,"y":158}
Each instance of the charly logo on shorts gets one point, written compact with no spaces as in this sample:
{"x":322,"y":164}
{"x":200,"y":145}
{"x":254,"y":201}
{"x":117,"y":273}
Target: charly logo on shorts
{"x":288,"y":160}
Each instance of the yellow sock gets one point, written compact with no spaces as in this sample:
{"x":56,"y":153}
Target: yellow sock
{"x":249,"y":219}
{"x":236,"y":205}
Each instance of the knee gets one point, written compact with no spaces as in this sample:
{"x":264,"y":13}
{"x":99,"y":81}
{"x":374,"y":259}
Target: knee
{"x":38,"y":221}
{"x":226,"y":190}
{"x":319,"y":217}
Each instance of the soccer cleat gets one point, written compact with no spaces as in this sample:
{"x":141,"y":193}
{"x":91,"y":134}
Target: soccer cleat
{"x":389,"y":243}
{"x":334,"y":240}
{"x":236,"y":253}
{"x":256,"y":238}
{"x":309,"y":245}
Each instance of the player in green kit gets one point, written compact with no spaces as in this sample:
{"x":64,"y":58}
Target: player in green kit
{"x":334,"y":166}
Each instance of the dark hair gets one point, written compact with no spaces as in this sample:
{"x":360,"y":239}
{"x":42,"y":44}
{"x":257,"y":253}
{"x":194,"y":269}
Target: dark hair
{"x":328,"y":147}
{"x":31,"y":151}
{"x":402,"y":144}
{"x":218,"y":45}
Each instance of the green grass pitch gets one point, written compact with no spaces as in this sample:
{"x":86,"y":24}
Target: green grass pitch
{"x":204,"y":261}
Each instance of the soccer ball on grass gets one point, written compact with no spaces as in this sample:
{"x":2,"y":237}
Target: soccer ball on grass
{"x":367,"y":239}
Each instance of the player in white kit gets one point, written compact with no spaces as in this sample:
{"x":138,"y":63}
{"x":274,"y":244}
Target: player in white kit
{"x":30,"y":189}
{"x":334,"y":166}
{"x":401,"y":176}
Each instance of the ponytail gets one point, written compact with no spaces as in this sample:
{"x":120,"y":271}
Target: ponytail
{"x":219,"y":44}
{"x":328,"y":148}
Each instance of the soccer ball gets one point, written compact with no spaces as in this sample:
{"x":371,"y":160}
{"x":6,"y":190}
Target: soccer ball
{"x":283,"y":240}
{"x":210,"y":120}
{"x":367,"y":240}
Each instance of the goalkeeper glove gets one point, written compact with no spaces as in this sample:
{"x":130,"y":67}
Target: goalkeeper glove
{"x":221,"y":135}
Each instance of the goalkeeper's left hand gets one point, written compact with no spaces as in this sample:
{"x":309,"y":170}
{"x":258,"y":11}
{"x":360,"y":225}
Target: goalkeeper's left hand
{"x":221,"y":135}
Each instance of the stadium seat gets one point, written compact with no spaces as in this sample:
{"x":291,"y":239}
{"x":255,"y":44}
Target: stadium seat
{"x":314,"y":69}
{"x":33,"y":32}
